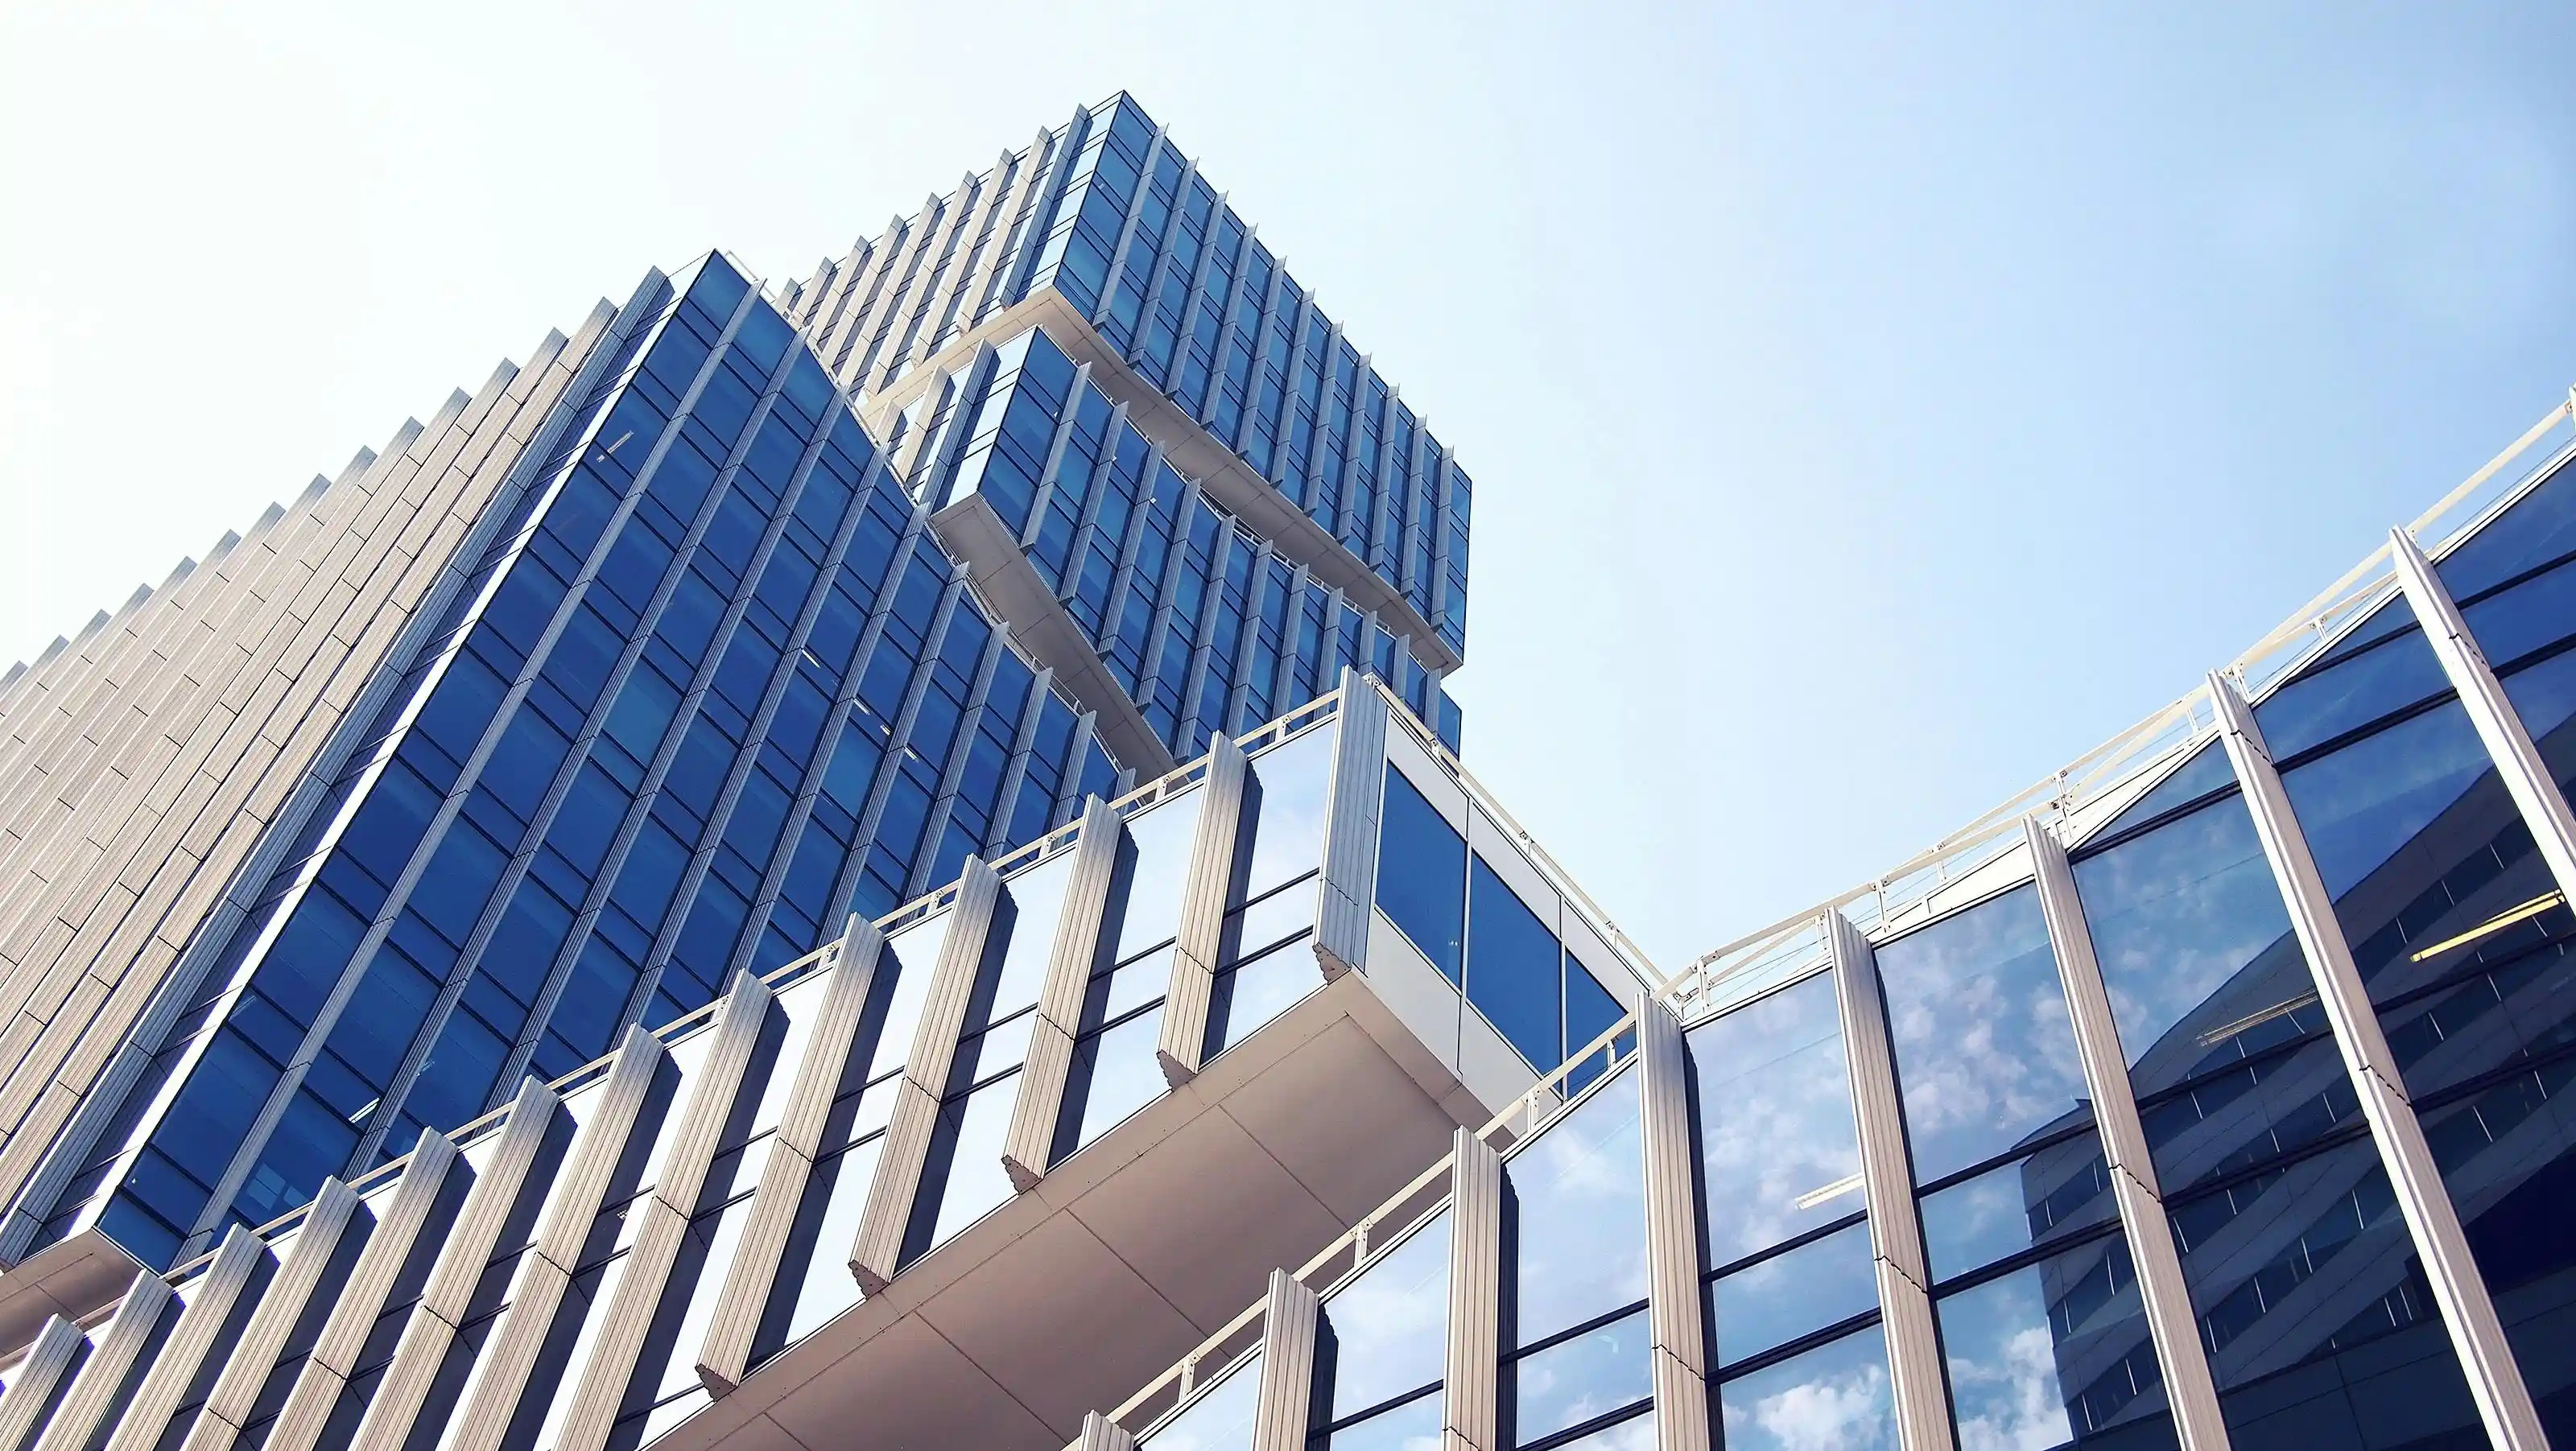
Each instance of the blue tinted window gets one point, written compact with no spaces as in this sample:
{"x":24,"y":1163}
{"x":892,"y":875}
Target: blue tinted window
{"x":1287,"y":808}
{"x":2006,"y":1210}
{"x":1778,"y":1152}
{"x":1796,"y":1292}
{"x":2261,"y":1255}
{"x":2055,"y":1353}
{"x":2189,"y":929}
{"x":1515,"y":969}
{"x":2208,"y":770}
{"x":1422,"y":874}
{"x":1220,"y":1419}
{"x":1985,"y":1052}
{"x":2349,"y":693}
{"x":1154,"y":869}
{"x":2540,"y":527}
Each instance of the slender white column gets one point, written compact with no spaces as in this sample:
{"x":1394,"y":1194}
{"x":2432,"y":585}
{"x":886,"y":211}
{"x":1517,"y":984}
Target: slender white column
{"x":1030,"y":1147}
{"x":500,"y":1385}
{"x":877,"y":1249}
{"x":1202,"y":926}
{"x":1680,"y":1354}
{"x":1350,"y":828}
{"x":2189,"y":1389}
{"x":211,"y":1311}
{"x":1470,"y":1392}
{"x":357,"y":1301}
{"x":511,"y":1172}
{"x":1288,"y":1330}
{"x":1099,"y":1433}
{"x":2517,"y":759}
{"x":725,"y":1357}
{"x":1887,"y":1183}
{"x":113,"y":1351}
{"x":31,"y":1386}
{"x":2495,"y":1381}
{"x":714,"y":1096}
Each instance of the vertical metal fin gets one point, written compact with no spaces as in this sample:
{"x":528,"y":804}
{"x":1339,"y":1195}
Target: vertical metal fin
{"x":1475,"y":1292}
{"x":2477,"y":1333}
{"x":1350,"y":828}
{"x":31,"y":1388}
{"x":113,"y":1351}
{"x":1287,"y":1364}
{"x":1027,"y":1152}
{"x":877,"y":1247}
{"x":2189,"y":1389}
{"x":1680,"y":1352}
{"x":358,"y":1302}
{"x":1202,"y":927}
{"x":1887,"y":1179}
{"x":212,"y":1309}
{"x":724,"y":1357}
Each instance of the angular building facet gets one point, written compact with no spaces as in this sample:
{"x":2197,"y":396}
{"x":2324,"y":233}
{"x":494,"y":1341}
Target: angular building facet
{"x":885,"y":865}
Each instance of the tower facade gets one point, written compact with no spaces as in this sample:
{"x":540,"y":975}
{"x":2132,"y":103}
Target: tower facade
{"x":729,"y":618}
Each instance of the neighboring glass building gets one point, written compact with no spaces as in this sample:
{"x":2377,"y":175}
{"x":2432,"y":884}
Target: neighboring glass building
{"x":740,"y":630}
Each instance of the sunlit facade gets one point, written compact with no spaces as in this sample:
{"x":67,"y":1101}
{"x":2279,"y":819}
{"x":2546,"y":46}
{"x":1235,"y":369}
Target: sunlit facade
{"x":905,"y":880}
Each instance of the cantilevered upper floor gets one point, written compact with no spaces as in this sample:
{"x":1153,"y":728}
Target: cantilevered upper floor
{"x":1107,"y":1080}
{"x":1102,"y":230}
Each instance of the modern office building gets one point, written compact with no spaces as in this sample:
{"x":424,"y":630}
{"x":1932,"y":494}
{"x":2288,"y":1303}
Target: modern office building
{"x":990,"y":944}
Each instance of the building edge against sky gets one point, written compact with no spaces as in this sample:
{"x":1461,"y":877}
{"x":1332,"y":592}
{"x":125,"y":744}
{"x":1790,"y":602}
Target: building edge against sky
{"x":2217,"y":1104}
{"x":2208,"y":1094}
{"x":653,"y":726}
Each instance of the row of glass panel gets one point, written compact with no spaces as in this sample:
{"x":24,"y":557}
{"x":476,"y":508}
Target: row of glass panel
{"x":1157,"y":577}
{"x":700,"y":699}
{"x":1264,"y":968}
{"x":1121,"y":226}
{"x":2308,"y":1300}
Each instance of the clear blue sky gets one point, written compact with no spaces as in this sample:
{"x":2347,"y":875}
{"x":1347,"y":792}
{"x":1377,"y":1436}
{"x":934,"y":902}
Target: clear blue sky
{"x":1870,"y":410}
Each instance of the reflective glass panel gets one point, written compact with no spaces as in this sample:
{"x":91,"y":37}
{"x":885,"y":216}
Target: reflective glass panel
{"x":1413,"y":1426}
{"x":2054,"y":1353}
{"x":966,"y":1159}
{"x":2006,"y":1210}
{"x":1153,"y":870}
{"x":1286,"y":808}
{"x":1220,"y":1419}
{"x":1794,"y":1293}
{"x":1578,"y":1379}
{"x":1578,"y":1221}
{"x":2194,"y":946}
{"x":2540,"y":527}
{"x":1252,"y":993}
{"x":1387,"y":1331}
{"x":814,"y":1272}
{"x":2208,"y":770}
{"x":1778,"y":1152}
{"x":1114,"y":1074}
{"x":1027,"y":927}
{"x":2531,"y":616}
{"x":1833,"y":1398}
{"x":2350,"y":691}
{"x":912,"y":953}
{"x":1985,"y":1052}
{"x":1422,"y":874}
{"x":2321,"y":1331}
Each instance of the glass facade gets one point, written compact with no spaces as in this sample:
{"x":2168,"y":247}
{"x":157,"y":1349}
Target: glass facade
{"x":1107,"y":216}
{"x":709,"y":689}
{"x":1206,"y":625}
